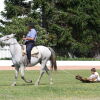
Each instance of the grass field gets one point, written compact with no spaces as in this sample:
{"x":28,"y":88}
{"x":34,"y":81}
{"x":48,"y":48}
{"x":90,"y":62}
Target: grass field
{"x":65,"y":87}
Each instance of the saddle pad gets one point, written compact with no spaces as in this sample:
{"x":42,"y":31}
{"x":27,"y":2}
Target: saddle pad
{"x":34,"y":51}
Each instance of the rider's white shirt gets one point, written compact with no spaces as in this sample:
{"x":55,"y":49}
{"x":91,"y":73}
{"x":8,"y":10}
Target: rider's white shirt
{"x":95,"y":75}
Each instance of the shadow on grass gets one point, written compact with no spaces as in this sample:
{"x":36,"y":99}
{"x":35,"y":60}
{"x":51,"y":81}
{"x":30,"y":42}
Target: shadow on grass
{"x":25,"y":84}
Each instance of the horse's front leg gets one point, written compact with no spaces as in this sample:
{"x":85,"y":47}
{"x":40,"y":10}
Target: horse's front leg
{"x":16,"y":76}
{"x":22,"y":69}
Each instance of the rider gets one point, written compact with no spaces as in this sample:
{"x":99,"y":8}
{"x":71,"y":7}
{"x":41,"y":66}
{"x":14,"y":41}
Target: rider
{"x":30,"y":41}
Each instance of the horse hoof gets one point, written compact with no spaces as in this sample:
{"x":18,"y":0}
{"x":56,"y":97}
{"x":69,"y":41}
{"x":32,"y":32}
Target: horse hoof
{"x":37,"y":84}
{"x":30,"y":81}
{"x":13,"y":84}
{"x":51,"y":83}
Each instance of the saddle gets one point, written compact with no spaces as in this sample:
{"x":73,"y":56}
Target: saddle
{"x":34,"y":51}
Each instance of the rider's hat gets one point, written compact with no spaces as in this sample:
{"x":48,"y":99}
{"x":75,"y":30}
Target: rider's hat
{"x":30,"y":24}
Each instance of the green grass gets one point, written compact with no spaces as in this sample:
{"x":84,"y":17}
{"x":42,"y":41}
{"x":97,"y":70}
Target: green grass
{"x":5,"y":58}
{"x":77,"y":59}
{"x":66,"y":58}
{"x":65,"y":87}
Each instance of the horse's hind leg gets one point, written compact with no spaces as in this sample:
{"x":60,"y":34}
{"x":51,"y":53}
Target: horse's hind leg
{"x":38,"y":80}
{"x":22,"y":75}
{"x":16,"y":76}
{"x":49,"y":74}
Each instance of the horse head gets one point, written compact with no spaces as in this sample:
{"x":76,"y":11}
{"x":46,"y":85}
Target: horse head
{"x":6,"y":40}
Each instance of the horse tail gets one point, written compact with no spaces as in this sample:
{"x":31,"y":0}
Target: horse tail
{"x":53,"y":59}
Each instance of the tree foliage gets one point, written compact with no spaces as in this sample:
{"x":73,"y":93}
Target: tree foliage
{"x":16,"y":8}
{"x":71,"y":25}
{"x":77,"y":25}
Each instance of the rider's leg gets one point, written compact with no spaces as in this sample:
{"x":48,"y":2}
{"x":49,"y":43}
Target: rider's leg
{"x":29,"y":47}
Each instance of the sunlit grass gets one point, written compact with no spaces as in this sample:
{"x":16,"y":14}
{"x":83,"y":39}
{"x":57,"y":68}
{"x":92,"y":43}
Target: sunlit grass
{"x":65,"y":87}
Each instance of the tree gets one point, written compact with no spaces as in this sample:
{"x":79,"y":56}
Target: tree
{"x":70,"y":25}
{"x":76,"y":24}
{"x":15,"y":8}
{"x":46,"y":8}
{"x":17,"y":25}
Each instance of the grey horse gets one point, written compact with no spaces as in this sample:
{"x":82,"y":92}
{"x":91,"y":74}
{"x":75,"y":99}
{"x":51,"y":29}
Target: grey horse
{"x":45,"y":54}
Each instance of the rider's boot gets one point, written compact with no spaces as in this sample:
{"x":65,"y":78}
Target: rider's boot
{"x":29,"y":63}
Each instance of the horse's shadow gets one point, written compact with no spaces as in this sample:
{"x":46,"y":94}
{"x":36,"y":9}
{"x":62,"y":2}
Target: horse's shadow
{"x":18,"y":84}
{"x":31,"y":84}
{"x":43,"y":84}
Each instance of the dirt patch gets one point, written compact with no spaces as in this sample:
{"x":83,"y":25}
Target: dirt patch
{"x":59,"y":67}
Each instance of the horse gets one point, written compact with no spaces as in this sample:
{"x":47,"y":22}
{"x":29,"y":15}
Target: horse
{"x":19,"y":61}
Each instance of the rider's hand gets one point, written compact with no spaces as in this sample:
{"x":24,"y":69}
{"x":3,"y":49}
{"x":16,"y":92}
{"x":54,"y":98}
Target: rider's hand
{"x":24,"y":38}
